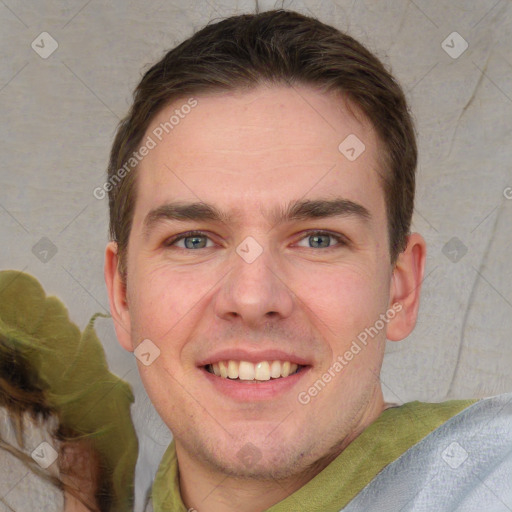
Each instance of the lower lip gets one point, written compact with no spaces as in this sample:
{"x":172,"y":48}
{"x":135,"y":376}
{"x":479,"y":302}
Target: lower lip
{"x":250,"y":391}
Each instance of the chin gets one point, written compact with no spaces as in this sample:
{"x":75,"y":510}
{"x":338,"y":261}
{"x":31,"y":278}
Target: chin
{"x":258,"y":459}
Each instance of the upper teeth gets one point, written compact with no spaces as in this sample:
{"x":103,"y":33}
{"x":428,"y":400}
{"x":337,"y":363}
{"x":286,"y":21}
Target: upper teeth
{"x":245,"y":370}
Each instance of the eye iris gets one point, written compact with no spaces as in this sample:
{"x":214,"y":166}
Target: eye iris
{"x":315,"y":238}
{"x":194,"y":244}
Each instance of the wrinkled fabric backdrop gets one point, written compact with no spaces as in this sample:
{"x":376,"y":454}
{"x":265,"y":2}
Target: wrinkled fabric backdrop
{"x":67,"y":71}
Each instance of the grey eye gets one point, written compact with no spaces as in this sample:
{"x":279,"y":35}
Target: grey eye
{"x":320,"y":239}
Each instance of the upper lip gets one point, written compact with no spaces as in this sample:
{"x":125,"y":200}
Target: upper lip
{"x":253,"y":356}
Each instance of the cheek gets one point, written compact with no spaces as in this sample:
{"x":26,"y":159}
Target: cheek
{"x":345,"y":298}
{"x":162,"y":297}
{"x":166,"y":395}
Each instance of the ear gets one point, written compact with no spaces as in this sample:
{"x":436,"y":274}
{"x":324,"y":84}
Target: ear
{"x":117,"y":297}
{"x":405,"y":288}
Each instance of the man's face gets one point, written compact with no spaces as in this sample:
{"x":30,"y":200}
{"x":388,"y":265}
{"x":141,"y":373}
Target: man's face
{"x":305,"y":298}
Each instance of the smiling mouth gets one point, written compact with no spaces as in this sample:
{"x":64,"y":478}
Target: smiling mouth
{"x":245,"y":371}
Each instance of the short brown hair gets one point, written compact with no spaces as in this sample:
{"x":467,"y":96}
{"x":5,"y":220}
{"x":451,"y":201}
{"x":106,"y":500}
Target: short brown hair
{"x":276,"y":47}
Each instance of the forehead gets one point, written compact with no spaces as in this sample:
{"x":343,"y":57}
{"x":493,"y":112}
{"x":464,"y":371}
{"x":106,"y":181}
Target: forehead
{"x":262,"y":146}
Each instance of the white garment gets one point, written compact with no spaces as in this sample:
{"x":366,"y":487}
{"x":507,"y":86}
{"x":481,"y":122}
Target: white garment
{"x":465,"y":465}
{"x":21,"y":488}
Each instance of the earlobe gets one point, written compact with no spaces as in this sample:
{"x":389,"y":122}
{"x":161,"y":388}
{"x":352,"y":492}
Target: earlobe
{"x":117,"y":297}
{"x":406,"y":287}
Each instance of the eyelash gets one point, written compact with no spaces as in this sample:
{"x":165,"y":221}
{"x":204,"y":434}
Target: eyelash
{"x":342,"y":241}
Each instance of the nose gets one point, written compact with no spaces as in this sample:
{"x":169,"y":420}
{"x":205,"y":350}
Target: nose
{"x":255,"y":289}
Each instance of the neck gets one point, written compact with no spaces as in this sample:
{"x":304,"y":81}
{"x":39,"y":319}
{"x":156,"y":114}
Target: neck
{"x":208,"y":489}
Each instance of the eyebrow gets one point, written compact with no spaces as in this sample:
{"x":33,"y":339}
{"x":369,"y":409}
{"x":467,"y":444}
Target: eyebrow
{"x":294,"y":211}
